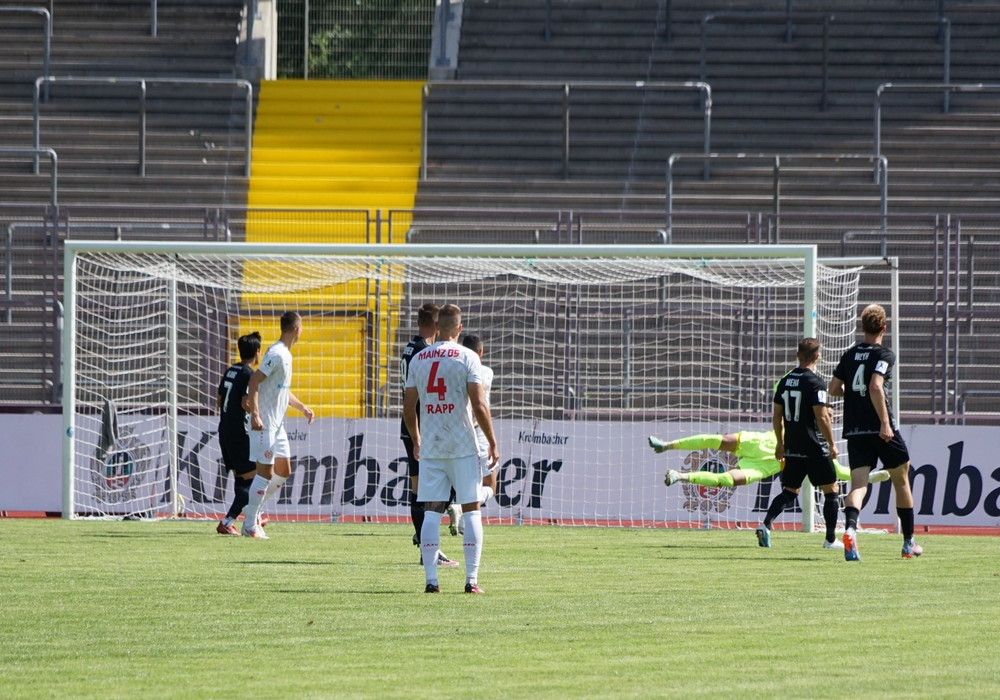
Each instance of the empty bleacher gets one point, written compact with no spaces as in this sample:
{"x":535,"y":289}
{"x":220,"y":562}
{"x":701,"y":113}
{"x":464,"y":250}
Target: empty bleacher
{"x":495,"y":156}
{"x":500,"y":144}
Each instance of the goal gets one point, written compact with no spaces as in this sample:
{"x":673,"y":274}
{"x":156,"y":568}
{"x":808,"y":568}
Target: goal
{"x":594,"y":348}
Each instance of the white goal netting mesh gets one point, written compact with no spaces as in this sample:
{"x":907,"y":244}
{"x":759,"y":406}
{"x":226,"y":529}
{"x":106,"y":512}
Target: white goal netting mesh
{"x":591,"y":355}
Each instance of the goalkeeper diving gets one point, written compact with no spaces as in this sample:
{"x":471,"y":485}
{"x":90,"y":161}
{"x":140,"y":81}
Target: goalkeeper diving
{"x":755,"y":452}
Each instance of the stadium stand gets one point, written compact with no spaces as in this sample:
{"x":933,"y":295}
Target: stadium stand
{"x":499,"y":150}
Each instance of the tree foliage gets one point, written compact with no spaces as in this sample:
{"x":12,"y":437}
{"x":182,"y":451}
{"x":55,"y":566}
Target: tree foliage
{"x":355,"y":39}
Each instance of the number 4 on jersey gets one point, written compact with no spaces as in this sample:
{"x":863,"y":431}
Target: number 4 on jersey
{"x":858,"y":383}
{"x":435,"y":384}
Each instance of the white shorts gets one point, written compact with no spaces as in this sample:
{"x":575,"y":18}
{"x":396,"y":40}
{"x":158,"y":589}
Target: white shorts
{"x":266,"y":444}
{"x":438,"y":476}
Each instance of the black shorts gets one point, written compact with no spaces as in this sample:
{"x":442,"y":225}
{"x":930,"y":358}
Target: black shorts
{"x":236,"y":452}
{"x":820,"y":471}
{"x":868,"y":450}
{"x":413,"y":466}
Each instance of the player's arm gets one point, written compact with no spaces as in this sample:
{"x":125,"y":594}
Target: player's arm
{"x":825,"y":425}
{"x":410,"y":399}
{"x":876,"y":390}
{"x":220,"y":394}
{"x":481,"y":412}
{"x":252,"y":391}
{"x":778,"y":423}
{"x":836,"y":387}
{"x":294,"y":402}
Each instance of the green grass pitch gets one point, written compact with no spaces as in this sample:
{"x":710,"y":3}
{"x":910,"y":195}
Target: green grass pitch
{"x":173,"y":610}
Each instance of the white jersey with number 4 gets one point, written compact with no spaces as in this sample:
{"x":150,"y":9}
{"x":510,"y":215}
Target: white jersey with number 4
{"x":441,"y":375}
{"x":273,"y":393}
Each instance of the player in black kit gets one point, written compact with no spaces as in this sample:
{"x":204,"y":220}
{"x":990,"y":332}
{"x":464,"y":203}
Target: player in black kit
{"x":803,"y":429}
{"x":870,"y":430}
{"x":233,"y":439}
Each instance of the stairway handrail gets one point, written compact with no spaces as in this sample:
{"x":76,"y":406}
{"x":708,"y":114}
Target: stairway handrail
{"x":704,"y":88}
{"x":946,"y":88}
{"x":46,"y":33}
{"x":142,"y":83}
{"x":785,"y":18}
{"x":881,"y":165}
{"x":35,"y":153}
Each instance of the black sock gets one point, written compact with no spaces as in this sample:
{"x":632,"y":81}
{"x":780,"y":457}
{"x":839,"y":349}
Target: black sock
{"x":905,"y":522}
{"x":831,"y":506}
{"x":851,"y":517}
{"x":241,"y":497}
{"x":780,"y":502}
{"x":416,"y":514}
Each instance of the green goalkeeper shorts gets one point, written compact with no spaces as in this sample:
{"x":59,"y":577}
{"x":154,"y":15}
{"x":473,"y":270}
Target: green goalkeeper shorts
{"x":756,"y":453}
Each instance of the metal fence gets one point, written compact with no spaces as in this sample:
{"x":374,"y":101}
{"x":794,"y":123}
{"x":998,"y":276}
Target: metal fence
{"x":354,"y":40}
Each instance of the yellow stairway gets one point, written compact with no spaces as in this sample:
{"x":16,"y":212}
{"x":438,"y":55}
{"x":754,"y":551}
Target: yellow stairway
{"x":323,"y":145}
{"x":333,"y":144}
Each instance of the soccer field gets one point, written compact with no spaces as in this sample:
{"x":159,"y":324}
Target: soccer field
{"x":170,"y":609}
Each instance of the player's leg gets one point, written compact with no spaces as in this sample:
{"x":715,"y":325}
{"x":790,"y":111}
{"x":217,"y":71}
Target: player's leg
{"x":281,"y":472}
{"x":416,"y":508}
{"x":876,"y":476}
{"x":236,"y":458}
{"x":454,"y":515}
{"x":466,"y":474}
{"x":862,"y":454}
{"x":282,"y":463}
{"x":433,"y":496}
{"x":488,"y":484}
{"x":791,"y":481}
{"x":702,"y":478}
{"x":261,"y":451}
{"x":779,"y":503}
{"x":831,"y":509}
{"x":823,"y":473}
{"x":692,"y":442}
{"x":241,"y":497}
{"x":488,"y":487}
{"x":895,"y":452}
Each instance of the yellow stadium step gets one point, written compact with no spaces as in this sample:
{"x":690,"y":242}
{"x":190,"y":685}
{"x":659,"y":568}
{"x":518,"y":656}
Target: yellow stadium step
{"x":342,"y":185}
{"x":330,"y":145}
{"x":326,"y":200}
{"x":410,"y":139}
{"x":402,"y":173}
{"x":378,"y":153}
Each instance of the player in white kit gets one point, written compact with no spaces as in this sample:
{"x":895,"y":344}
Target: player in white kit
{"x":446,"y":379}
{"x":489,"y":484}
{"x":269,"y":394}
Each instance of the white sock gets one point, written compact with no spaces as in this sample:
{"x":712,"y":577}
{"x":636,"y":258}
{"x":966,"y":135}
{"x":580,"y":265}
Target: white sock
{"x":273,"y":487}
{"x":430,"y":534}
{"x":227,"y":521}
{"x":472,"y":544}
{"x":486,"y":493}
{"x":257,"y":489}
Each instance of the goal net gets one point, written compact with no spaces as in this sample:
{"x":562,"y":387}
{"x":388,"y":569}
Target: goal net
{"x":593,"y":348}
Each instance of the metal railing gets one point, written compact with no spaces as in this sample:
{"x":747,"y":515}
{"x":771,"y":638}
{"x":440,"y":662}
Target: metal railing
{"x":881,"y":165}
{"x":946,"y":88}
{"x":46,"y":16}
{"x":565,"y":89}
{"x":141,"y":84}
{"x":35,"y":153}
{"x":786,"y":18}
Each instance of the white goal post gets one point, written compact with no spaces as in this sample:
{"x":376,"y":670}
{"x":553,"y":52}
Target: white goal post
{"x":594,"y":347}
